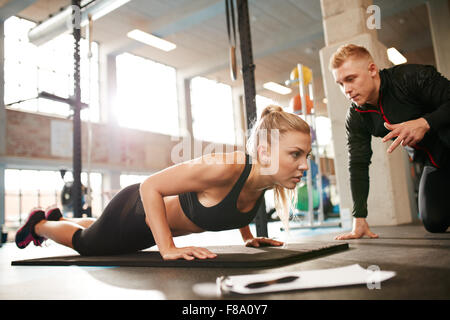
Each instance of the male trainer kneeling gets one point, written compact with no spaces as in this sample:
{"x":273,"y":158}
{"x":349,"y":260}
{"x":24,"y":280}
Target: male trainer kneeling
{"x":408,"y":103}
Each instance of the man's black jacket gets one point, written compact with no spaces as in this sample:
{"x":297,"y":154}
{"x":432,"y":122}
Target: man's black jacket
{"x":407,"y":92}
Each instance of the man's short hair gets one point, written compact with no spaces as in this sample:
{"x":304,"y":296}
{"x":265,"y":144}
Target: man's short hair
{"x":348,"y":51}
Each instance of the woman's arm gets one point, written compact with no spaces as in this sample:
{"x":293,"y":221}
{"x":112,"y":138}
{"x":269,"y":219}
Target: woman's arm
{"x":251,"y":241}
{"x":193,"y":176}
{"x":157,"y":221}
{"x":246,"y":233}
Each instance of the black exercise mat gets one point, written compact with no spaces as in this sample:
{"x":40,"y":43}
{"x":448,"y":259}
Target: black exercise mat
{"x":227,"y":257}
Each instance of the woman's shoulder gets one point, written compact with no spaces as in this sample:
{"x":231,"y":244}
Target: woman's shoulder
{"x":224,"y":165}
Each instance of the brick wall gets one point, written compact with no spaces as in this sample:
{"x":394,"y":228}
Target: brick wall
{"x":29,"y":136}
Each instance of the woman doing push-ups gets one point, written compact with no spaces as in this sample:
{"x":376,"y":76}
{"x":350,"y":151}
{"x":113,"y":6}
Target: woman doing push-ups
{"x":210,"y":193}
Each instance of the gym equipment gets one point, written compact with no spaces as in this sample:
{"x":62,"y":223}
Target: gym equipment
{"x":76,"y":191}
{"x":296,"y":104}
{"x":76,"y":105}
{"x":66,"y":196}
{"x":248,"y":68}
{"x":302,"y":198}
{"x":89,"y":122}
{"x":227,"y":257}
{"x":231,"y":38}
{"x":3,"y":236}
{"x":248,"y":76}
{"x":67,"y":199}
{"x":302,"y":191}
{"x":49,"y":96}
{"x":294,"y":79}
{"x":305,"y":77}
{"x":38,"y":36}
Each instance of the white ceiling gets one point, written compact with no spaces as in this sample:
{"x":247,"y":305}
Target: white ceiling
{"x":284,"y":33}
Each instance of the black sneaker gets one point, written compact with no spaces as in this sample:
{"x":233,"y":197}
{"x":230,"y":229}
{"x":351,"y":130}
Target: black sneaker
{"x":26,"y":234}
{"x":53,"y":214}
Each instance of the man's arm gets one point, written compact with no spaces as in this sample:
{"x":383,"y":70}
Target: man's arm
{"x":432,"y":90}
{"x":360,"y":153}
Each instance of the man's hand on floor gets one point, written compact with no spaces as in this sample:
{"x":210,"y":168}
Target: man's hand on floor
{"x":360,"y":229}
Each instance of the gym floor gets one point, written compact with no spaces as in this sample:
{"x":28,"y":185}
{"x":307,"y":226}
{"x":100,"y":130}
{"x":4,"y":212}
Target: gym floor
{"x":420,"y":259}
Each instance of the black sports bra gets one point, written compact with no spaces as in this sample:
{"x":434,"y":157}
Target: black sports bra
{"x":224,"y":215}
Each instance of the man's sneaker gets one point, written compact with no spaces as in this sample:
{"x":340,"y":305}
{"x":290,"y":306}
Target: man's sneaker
{"x":53,"y":214}
{"x":26,"y":234}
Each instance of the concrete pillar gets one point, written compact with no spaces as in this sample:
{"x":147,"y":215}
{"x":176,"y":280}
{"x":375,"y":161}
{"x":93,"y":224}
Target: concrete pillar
{"x":389,"y":202}
{"x":439,"y":16}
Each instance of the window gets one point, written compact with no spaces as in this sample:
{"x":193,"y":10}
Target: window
{"x":146,"y":95}
{"x":212,"y":111}
{"x":30,"y":69}
{"x":26,"y":189}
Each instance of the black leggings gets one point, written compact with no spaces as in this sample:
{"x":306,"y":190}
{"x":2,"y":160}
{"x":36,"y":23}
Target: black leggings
{"x":120,"y":229}
{"x":434,"y":199}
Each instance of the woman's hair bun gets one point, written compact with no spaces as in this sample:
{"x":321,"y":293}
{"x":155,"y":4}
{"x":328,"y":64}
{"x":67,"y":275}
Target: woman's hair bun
{"x":270,"y":109}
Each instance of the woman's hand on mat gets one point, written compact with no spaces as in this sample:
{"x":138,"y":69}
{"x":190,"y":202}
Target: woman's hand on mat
{"x":360,"y":229}
{"x":261,"y":242}
{"x":187,"y":253}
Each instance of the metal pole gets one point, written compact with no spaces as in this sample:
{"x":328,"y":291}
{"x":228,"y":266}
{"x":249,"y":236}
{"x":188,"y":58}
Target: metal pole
{"x":76,"y":190}
{"x":248,"y":68}
{"x":301,"y":84}
{"x":317,"y":154}
{"x":89,"y":110}
{"x":248,"y":75}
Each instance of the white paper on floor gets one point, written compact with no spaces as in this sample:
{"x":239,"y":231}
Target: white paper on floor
{"x":342,"y":276}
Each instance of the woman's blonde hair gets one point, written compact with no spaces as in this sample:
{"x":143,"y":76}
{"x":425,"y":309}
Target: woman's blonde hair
{"x":343,"y":53}
{"x":274,"y":118}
